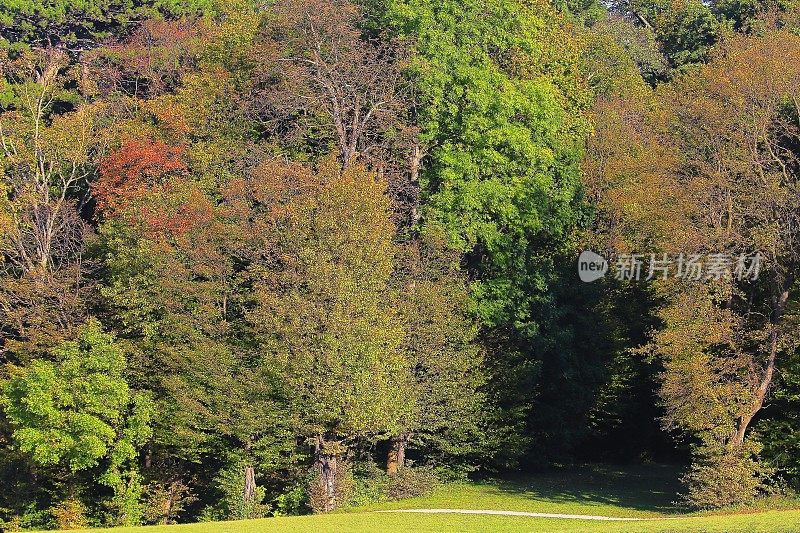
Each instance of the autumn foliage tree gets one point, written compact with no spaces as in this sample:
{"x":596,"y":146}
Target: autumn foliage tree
{"x":137,"y":166}
{"x":318,"y":56}
{"x":727,"y":184}
{"x":47,"y":162}
{"x":322,"y":307}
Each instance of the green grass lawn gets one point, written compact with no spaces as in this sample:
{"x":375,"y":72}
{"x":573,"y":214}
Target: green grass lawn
{"x":642,"y":491}
{"x":772,"y":521}
{"x":630,"y":492}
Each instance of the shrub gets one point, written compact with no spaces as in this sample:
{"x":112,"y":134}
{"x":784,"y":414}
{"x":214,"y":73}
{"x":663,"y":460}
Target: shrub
{"x":232,"y":506}
{"x":31,"y":518}
{"x":166,"y":500}
{"x":292,"y":502}
{"x":371,"y":483}
{"x":721,"y":476}
{"x":70,"y":514}
{"x":411,"y":481}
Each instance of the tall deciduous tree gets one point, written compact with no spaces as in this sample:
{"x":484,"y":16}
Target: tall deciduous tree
{"x":739,"y":133}
{"x":727,"y":184}
{"x":47,"y":160}
{"x":322,"y":306}
{"x":318,"y":56}
{"x":173,"y":260}
{"x":440,"y":342}
{"x":501,"y":113}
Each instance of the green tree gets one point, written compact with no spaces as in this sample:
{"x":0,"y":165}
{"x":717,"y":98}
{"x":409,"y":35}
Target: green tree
{"x":754,"y":16}
{"x":174,"y":289}
{"x":77,"y":411}
{"x":780,"y":429}
{"x":323,"y":309}
{"x":175,"y":253}
{"x":447,"y":422}
{"x":686,"y":29}
{"x":502,"y":119}
{"x":80,"y":25}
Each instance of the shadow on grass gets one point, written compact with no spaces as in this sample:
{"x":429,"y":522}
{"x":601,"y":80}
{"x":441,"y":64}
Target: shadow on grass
{"x":648,"y":488}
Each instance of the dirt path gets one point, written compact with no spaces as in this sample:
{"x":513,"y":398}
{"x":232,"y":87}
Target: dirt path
{"x":522,"y":513}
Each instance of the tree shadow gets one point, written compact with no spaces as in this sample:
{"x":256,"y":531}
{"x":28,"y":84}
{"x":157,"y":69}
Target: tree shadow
{"x":650,"y":488}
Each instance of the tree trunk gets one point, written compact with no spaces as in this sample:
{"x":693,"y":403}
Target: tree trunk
{"x":760,"y":393}
{"x":249,"y":485}
{"x":328,"y":468}
{"x":416,"y":160}
{"x":769,"y":372}
{"x":396,"y":458}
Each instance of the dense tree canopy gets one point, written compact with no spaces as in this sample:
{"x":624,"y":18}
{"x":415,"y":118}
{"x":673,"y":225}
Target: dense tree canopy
{"x":265,"y":258}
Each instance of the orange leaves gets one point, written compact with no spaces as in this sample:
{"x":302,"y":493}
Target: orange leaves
{"x":168,"y":113}
{"x":132,"y":170}
{"x":705,"y":158}
{"x":739,"y":135}
{"x":274,"y":183}
{"x":631,"y":174}
{"x":145,"y":180}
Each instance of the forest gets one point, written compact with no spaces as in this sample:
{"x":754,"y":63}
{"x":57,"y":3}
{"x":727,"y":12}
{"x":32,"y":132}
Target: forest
{"x":262,"y":258}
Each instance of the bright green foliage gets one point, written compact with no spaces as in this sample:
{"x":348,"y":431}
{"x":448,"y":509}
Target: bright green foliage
{"x":78,"y":409}
{"x":501,"y":110}
{"x":495,"y":112}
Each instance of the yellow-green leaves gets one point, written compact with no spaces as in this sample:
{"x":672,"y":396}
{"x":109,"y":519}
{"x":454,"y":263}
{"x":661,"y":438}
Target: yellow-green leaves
{"x":74,"y":410}
{"x":324,"y":310}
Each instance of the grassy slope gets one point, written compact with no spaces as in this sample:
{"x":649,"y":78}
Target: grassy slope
{"x":632,"y":492}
